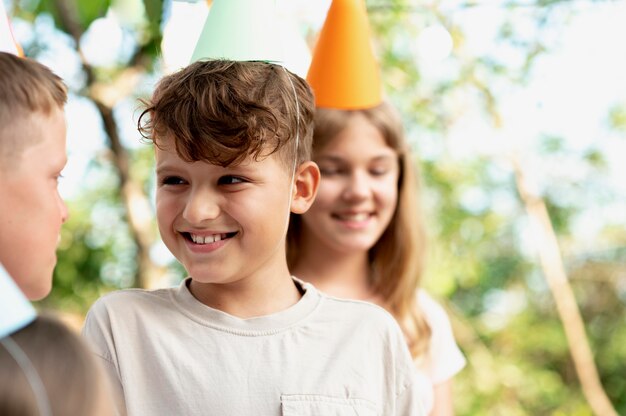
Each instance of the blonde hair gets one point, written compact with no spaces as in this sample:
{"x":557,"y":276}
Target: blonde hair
{"x":64,"y":364}
{"x":26,"y":87}
{"x":397,"y":259}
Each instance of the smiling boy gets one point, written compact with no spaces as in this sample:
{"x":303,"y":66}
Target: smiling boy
{"x":240,"y":335}
{"x":227,"y":223}
{"x":32,"y":156}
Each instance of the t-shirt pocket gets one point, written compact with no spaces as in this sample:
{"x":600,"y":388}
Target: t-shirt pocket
{"x":320,"y":405}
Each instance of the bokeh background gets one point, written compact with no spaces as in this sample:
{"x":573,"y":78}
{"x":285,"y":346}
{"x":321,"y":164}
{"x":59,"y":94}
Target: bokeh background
{"x":515,"y":109}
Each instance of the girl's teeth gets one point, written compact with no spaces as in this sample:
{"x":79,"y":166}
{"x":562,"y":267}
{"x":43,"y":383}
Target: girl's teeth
{"x":198,"y":239}
{"x":355,"y":217}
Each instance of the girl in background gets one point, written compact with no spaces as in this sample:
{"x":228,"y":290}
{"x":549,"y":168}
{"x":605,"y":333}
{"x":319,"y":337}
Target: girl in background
{"x":363,"y":238}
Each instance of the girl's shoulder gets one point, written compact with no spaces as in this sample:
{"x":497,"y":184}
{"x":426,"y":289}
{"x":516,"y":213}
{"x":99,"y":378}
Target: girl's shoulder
{"x":433,"y":311}
{"x":445,"y":358}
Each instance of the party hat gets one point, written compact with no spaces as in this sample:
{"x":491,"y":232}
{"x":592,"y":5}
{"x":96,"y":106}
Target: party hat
{"x":240,"y":30}
{"x":15,"y":310}
{"x":344,"y":73}
{"x":7,"y":41}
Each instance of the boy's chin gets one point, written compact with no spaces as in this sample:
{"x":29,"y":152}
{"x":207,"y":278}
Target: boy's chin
{"x":41,"y":288}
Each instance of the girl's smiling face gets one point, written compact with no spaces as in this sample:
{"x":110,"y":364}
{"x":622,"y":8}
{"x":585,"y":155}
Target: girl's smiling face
{"x":358,"y":192}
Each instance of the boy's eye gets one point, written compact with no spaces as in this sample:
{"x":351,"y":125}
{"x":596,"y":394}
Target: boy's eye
{"x":230,"y":180}
{"x":172,"y":180}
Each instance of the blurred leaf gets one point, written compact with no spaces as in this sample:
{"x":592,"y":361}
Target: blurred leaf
{"x":617,"y":117}
{"x":85,"y":11}
{"x":595,"y":158}
{"x":154,"y":10}
{"x":90,"y":10}
{"x":552,"y":144}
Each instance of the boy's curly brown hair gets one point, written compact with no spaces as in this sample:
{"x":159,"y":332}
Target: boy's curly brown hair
{"x":222,"y":112}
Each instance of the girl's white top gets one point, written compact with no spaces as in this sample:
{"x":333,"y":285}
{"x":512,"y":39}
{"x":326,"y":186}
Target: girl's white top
{"x":444,"y":359}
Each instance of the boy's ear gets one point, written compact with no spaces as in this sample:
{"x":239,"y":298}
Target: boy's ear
{"x":307,"y":182}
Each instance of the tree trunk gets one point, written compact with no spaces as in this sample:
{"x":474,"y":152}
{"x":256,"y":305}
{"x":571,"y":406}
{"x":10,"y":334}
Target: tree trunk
{"x":139,"y":214}
{"x":554,"y":271}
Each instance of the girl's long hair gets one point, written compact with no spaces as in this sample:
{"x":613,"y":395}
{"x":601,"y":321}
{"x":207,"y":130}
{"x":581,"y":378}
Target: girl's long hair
{"x":397,"y":259}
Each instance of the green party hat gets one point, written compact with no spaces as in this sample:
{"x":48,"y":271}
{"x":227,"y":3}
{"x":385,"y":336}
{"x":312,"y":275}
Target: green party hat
{"x":240,"y":30}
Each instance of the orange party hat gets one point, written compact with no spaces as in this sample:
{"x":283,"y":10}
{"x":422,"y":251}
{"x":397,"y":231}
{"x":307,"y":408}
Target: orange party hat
{"x":344,"y":73}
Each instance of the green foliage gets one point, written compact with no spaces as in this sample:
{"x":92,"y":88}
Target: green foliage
{"x":88,"y":11}
{"x":617,"y":117}
{"x":154,"y":12}
{"x":519,"y":361}
{"x":85,"y":11}
{"x":95,"y":254}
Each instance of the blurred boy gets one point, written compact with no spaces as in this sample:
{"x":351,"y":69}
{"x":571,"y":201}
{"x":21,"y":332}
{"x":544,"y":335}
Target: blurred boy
{"x":241,"y":336}
{"x":47,"y":369}
{"x":32,"y":156}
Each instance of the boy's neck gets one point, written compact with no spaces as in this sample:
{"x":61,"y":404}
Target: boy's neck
{"x":250,"y":297}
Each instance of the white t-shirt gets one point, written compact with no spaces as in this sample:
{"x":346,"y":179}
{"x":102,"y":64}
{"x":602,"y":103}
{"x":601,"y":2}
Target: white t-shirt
{"x":444,"y":359}
{"x":169,"y":354}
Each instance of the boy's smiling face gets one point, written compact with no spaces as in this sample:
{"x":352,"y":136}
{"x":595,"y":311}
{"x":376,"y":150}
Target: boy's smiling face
{"x":223,"y":224}
{"x":32,"y":210}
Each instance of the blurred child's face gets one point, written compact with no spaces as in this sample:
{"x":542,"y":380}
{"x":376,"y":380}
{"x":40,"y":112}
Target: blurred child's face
{"x":358,"y":192}
{"x":32,"y":210}
{"x":223,"y":224}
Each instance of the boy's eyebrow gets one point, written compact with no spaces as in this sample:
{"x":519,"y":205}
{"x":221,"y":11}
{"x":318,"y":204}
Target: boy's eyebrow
{"x":163,"y":167}
{"x":167,"y":167}
{"x":243,"y":168}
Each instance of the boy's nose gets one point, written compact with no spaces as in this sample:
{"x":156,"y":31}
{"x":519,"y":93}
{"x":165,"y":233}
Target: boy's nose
{"x":357,"y":186}
{"x":201,"y":206}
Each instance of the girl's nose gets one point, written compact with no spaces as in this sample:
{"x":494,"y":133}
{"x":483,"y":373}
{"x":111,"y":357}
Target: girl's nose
{"x":357,"y":186}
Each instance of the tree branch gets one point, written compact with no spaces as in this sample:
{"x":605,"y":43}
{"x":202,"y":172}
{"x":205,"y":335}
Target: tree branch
{"x":135,"y":202}
{"x":567,"y":308}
